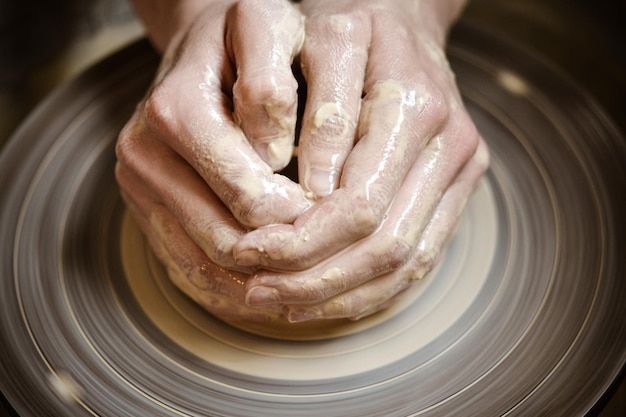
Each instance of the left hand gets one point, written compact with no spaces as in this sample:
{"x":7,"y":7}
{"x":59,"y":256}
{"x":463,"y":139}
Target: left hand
{"x":196,"y":160}
{"x":391,"y":170}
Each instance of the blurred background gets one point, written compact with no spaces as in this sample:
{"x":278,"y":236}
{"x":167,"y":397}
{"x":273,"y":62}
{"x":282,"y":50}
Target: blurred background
{"x":44,"y":43}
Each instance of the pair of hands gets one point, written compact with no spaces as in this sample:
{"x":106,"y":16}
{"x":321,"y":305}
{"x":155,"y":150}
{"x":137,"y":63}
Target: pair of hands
{"x":387,"y":154}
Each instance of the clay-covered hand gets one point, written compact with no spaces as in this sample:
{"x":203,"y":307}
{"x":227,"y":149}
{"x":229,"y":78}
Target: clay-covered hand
{"x":197,"y":161}
{"x":387,"y":148}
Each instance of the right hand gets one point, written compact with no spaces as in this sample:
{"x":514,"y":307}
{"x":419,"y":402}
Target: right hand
{"x":389,"y":149}
{"x":186,"y":167}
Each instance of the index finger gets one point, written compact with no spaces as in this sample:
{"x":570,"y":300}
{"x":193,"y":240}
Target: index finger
{"x":405,"y":108}
{"x":333,"y":59}
{"x":189,"y":110}
{"x":264,"y":38}
{"x":391,"y":118}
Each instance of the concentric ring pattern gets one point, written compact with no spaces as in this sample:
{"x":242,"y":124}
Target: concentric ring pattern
{"x":523,"y":317}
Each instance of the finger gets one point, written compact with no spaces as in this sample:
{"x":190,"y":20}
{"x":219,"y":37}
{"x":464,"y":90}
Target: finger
{"x":399,"y":116}
{"x":193,"y":116}
{"x":353,"y":212}
{"x":265,"y":37}
{"x":379,"y":293}
{"x":216,"y":289}
{"x":371,"y":177}
{"x":383,"y":251}
{"x":189,"y":200}
{"x":355,"y":304}
{"x":171,"y":243}
{"x":334,"y":56}
{"x":446,"y":217}
{"x":386,"y":250}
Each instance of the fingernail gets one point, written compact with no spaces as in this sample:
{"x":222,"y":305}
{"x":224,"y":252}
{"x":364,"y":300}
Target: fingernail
{"x":259,"y":296}
{"x":298,"y":316}
{"x":321,"y":182}
{"x":248,"y":257}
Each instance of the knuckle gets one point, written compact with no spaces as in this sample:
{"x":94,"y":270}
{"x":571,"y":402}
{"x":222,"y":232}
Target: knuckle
{"x":333,"y":281}
{"x":222,"y":257}
{"x":128,"y":148}
{"x":349,"y":305}
{"x":276,"y":92}
{"x":199,"y":276}
{"x":426,"y":260}
{"x":158,"y":113}
{"x":124,"y":144}
{"x":470,"y":138}
{"x":364,"y":219}
{"x":422,"y":263}
{"x":258,"y":210}
{"x":433,"y":101}
{"x":396,"y":252}
{"x":462,"y":141}
{"x":249,"y":211}
{"x":217,"y":240}
{"x":436,"y":107}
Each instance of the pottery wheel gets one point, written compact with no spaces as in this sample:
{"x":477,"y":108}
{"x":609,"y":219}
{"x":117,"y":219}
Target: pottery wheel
{"x":524,"y":316}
